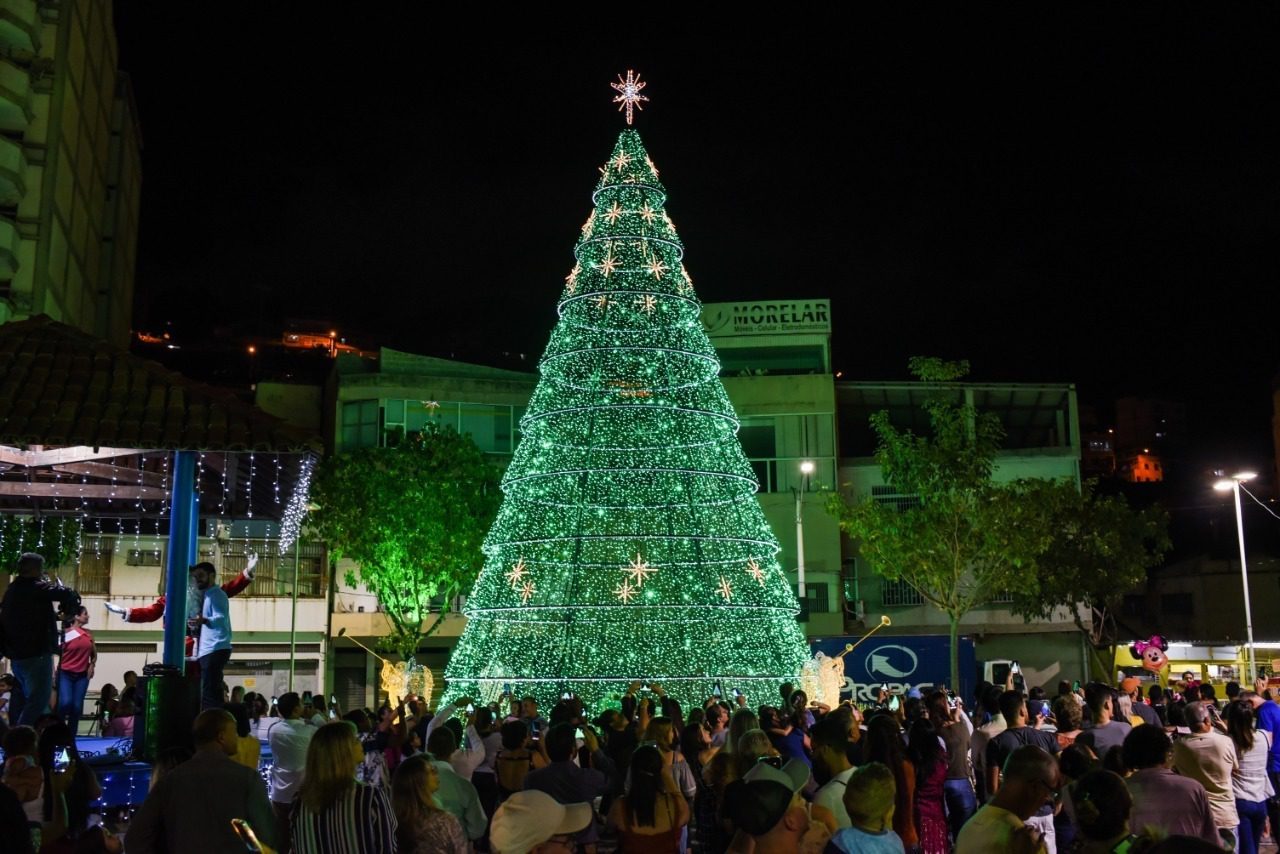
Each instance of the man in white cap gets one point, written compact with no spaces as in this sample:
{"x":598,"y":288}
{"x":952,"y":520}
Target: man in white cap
{"x":532,"y":822}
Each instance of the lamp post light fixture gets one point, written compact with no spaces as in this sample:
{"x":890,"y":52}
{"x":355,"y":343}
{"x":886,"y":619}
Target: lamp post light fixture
{"x":806,"y":469}
{"x":1233,"y":484}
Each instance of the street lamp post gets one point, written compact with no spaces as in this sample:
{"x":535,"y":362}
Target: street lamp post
{"x":1233,"y":483}
{"x":806,"y":469}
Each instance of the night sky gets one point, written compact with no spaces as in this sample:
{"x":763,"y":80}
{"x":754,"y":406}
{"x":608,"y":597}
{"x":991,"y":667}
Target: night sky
{"x":1091,"y":200}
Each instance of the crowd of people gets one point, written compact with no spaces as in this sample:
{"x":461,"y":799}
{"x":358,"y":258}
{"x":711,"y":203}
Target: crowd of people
{"x":1098,"y":768}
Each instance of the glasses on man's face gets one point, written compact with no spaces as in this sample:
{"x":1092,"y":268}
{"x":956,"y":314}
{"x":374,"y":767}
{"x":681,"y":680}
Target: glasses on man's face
{"x":775,"y":761}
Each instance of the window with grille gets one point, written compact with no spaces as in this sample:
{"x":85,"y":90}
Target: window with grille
{"x":93,"y":574}
{"x":145,"y":557}
{"x":899,"y":593}
{"x":1005,"y":598}
{"x":819,"y":596}
{"x":274,"y":573}
{"x":891,"y":497}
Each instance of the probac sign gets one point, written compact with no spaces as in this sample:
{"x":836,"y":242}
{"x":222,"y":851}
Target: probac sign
{"x":726,"y":319}
{"x":917,"y":661}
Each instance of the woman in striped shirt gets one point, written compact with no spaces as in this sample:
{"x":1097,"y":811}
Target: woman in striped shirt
{"x":333,"y":813}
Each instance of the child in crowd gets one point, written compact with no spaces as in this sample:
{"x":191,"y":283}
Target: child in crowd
{"x":868,"y":798}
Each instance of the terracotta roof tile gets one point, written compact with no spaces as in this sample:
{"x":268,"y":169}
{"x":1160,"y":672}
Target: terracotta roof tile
{"x":61,"y":386}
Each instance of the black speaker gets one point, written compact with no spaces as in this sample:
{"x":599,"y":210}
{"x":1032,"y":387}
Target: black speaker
{"x":168,"y":706}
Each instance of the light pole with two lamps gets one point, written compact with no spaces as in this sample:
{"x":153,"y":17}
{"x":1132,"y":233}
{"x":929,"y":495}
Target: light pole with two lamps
{"x":1233,"y":483}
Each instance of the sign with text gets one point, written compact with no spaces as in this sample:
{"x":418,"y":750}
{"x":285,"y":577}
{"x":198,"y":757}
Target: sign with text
{"x":776,"y":317}
{"x":906,"y":662}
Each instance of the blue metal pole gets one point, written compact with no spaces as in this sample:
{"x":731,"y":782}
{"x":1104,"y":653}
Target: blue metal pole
{"x":182,"y":537}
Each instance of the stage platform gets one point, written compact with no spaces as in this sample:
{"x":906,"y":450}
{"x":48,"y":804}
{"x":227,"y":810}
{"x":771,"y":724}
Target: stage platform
{"x":124,"y":781}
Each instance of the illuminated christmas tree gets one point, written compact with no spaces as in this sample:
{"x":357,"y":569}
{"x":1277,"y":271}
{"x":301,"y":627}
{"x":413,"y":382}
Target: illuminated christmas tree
{"x":630,"y":544}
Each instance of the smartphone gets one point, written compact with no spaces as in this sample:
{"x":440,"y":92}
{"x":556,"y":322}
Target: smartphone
{"x":577,"y":733}
{"x":951,"y":701}
{"x":306,"y":697}
{"x":273,"y":701}
{"x":565,"y":696}
{"x":715,"y":692}
{"x":506,"y":687}
{"x":1013,"y":666}
{"x":470,"y":708}
{"x":333,"y":698}
{"x":246,"y":834}
{"x":61,"y":760}
{"x":1075,"y":686}
{"x":332,"y":714}
{"x":736,"y":693}
{"x":894,"y":702}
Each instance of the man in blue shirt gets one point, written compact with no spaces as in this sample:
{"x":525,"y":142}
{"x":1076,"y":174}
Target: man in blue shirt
{"x":213,"y":648}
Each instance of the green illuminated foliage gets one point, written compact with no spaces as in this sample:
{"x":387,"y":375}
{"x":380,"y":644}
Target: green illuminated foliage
{"x":56,"y":538}
{"x":630,"y":544}
{"x":412,"y":517}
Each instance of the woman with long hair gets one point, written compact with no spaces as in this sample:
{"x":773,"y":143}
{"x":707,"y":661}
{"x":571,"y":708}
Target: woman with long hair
{"x":76,"y":661}
{"x":248,"y":748}
{"x":884,"y":744}
{"x":69,"y":787}
{"x":931,"y":762}
{"x":651,"y":816}
{"x":696,"y":747}
{"x":1249,"y":782}
{"x":661,"y":732}
{"x":421,"y":826}
{"x":334,"y":814}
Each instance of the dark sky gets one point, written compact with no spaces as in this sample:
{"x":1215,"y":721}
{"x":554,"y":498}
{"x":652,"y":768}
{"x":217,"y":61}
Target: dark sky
{"x":1088,"y":199}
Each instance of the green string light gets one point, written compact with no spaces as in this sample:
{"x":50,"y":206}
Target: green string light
{"x":630,"y":545}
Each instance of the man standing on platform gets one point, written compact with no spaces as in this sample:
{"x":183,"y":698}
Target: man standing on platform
{"x":213,"y":649}
{"x":29,"y":633}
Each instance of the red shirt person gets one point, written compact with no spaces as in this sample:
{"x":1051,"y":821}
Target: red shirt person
{"x":77,"y":657}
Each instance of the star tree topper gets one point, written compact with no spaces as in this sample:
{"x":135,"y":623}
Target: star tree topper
{"x":629,"y":97}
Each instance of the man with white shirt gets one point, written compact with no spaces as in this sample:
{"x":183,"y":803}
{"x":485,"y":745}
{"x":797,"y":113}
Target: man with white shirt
{"x":830,"y":740}
{"x":466,"y":758}
{"x":456,"y":795}
{"x":289,"y":737}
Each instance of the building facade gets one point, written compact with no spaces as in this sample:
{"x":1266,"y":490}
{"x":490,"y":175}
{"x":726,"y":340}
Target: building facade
{"x":1042,"y":441}
{"x":70,"y":167}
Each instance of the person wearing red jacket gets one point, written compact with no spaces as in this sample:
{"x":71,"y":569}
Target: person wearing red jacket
{"x":154,"y":611}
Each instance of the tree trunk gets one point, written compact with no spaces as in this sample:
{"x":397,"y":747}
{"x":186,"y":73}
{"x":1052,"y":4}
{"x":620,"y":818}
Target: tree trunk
{"x":955,"y":653}
{"x":1102,"y":661}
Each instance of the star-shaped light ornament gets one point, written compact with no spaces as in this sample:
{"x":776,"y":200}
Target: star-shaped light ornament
{"x":754,"y":570}
{"x":620,"y":162}
{"x":608,"y":265}
{"x":629,"y":97}
{"x":639,"y":570}
{"x":656,"y":268}
{"x":589,"y":225}
{"x":526,"y":591}
{"x":431,"y":405}
{"x":647,"y":303}
{"x":652,"y":168}
{"x":571,"y":280}
{"x":517,"y":573}
{"x":613,"y":213}
{"x":603,"y":301}
{"x":625,"y":592}
{"x":648,"y":213}
{"x":725,"y":589}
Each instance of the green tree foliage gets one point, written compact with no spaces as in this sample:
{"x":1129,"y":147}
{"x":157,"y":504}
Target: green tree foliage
{"x":56,"y":538}
{"x":1101,"y":549}
{"x":413,"y":518}
{"x":967,"y":539}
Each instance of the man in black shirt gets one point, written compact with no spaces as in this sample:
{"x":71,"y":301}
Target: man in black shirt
{"x":1013,"y":707}
{"x":29,"y":632}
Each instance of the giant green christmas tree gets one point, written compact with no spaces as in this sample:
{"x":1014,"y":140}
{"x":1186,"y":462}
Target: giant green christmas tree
{"x":630,"y":544}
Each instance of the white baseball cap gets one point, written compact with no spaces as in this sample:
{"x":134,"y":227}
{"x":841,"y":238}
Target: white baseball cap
{"x":530,"y":818}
